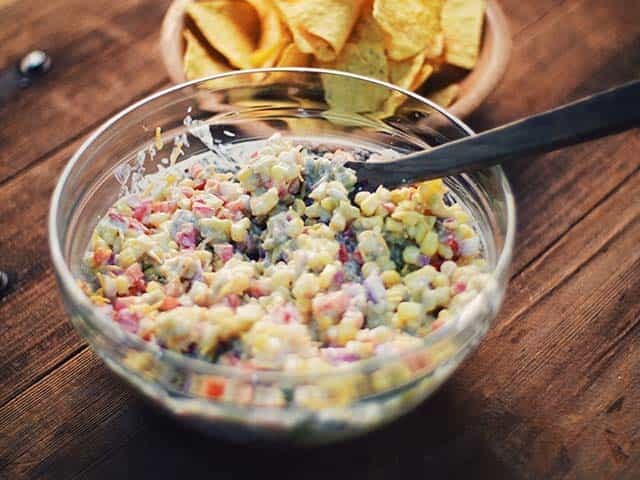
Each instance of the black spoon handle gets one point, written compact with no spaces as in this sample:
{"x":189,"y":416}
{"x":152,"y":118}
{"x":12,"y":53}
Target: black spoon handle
{"x":602,"y":114}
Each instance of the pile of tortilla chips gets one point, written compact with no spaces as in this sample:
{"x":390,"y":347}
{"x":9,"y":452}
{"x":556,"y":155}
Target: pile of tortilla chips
{"x":405,"y":42}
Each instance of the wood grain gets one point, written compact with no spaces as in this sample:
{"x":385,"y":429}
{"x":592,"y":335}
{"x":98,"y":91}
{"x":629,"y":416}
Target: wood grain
{"x":553,"y":390}
{"x":98,"y":57}
{"x":28,"y":352}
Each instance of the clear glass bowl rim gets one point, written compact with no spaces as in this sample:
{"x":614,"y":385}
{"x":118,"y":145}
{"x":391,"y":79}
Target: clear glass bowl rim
{"x":105,"y":324}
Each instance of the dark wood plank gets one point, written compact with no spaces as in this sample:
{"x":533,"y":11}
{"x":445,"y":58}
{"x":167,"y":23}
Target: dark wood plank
{"x":565,"y":359}
{"x":553,"y":63}
{"x":551,"y":391}
{"x":103,"y":57}
{"x":523,"y":16}
{"x":550,"y":63}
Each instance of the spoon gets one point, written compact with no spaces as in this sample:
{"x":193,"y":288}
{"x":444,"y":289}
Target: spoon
{"x":592,"y":117}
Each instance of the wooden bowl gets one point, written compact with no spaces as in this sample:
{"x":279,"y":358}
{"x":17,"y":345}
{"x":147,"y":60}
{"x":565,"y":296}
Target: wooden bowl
{"x":474,"y":88}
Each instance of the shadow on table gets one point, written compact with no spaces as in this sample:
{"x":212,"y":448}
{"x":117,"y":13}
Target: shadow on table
{"x":437,"y":439}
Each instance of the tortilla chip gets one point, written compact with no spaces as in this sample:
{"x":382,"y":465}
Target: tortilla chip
{"x":445,"y":96}
{"x":291,"y":57}
{"x":462,"y":25}
{"x":274,"y":35}
{"x":412,"y":26}
{"x":404,"y":74}
{"x":230,"y":26}
{"x":364,"y":55}
{"x":422,"y":76}
{"x":320,"y":27}
{"x":197,"y":61}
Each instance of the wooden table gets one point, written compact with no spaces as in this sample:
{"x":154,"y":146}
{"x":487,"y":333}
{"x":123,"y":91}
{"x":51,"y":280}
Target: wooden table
{"x":554,"y":389}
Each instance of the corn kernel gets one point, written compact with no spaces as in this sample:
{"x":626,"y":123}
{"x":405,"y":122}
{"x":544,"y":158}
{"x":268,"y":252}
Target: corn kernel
{"x":369,"y":223}
{"x":338,"y":222}
{"x":445,"y":251}
{"x":184,"y":203}
{"x":329,"y":204}
{"x":294,"y":227}
{"x":369,"y":268}
{"x":152,"y":286}
{"x":324,"y":322}
{"x":122,"y":284}
{"x":282,"y":278}
{"x":408,"y":217}
{"x":440,"y":280}
{"x":263,"y":204}
{"x":299,"y":206}
{"x":397,"y":294}
{"x":306,"y":286}
{"x":429,"y":300}
{"x":431,"y":188}
{"x":244,"y":175}
{"x":158,"y":218}
{"x":411,"y":254}
{"x":409,"y":311}
{"x":407,"y":205}
{"x":399,"y":194}
{"x":279,"y":173}
{"x":369,"y":205}
{"x":304,"y":306}
{"x":327,"y":276}
{"x":390,"y":278}
{"x":249,"y":313}
{"x":394,"y":226}
{"x":461,"y":216}
{"x":346,"y":333}
{"x":385,"y":263}
{"x":127,"y":257}
{"x":361,"y":197}
{"x":448,"y":268}
{"x":421,"y":231}
{"x":349,"y":211}
{"x":465,"y":232}
{"x":238,"y":230}
{"x":220,"y":225}
{"x":429,"y":245}
{"x":431,"y":221}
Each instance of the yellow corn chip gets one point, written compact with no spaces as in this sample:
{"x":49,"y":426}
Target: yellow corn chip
{"x":462,"y":25}
{"x":230,"y":26}
{"x":273,"y":37}
{"x":425,"y":72}
{"x":445,"y":96}
{"x":404,"y":74}
{"x":412,"y":26}
{"x":291,"y":57}
{"x":320,"y":27}
{"x":412,"y":81}
{"x":197,"y":61}
{"x":363,"y":54}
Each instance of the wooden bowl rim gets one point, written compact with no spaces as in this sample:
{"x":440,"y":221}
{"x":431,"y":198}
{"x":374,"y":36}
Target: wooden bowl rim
{"x":474,"y":88}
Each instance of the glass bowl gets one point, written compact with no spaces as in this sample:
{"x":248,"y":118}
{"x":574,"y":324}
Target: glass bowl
{"x":252,"y":105}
